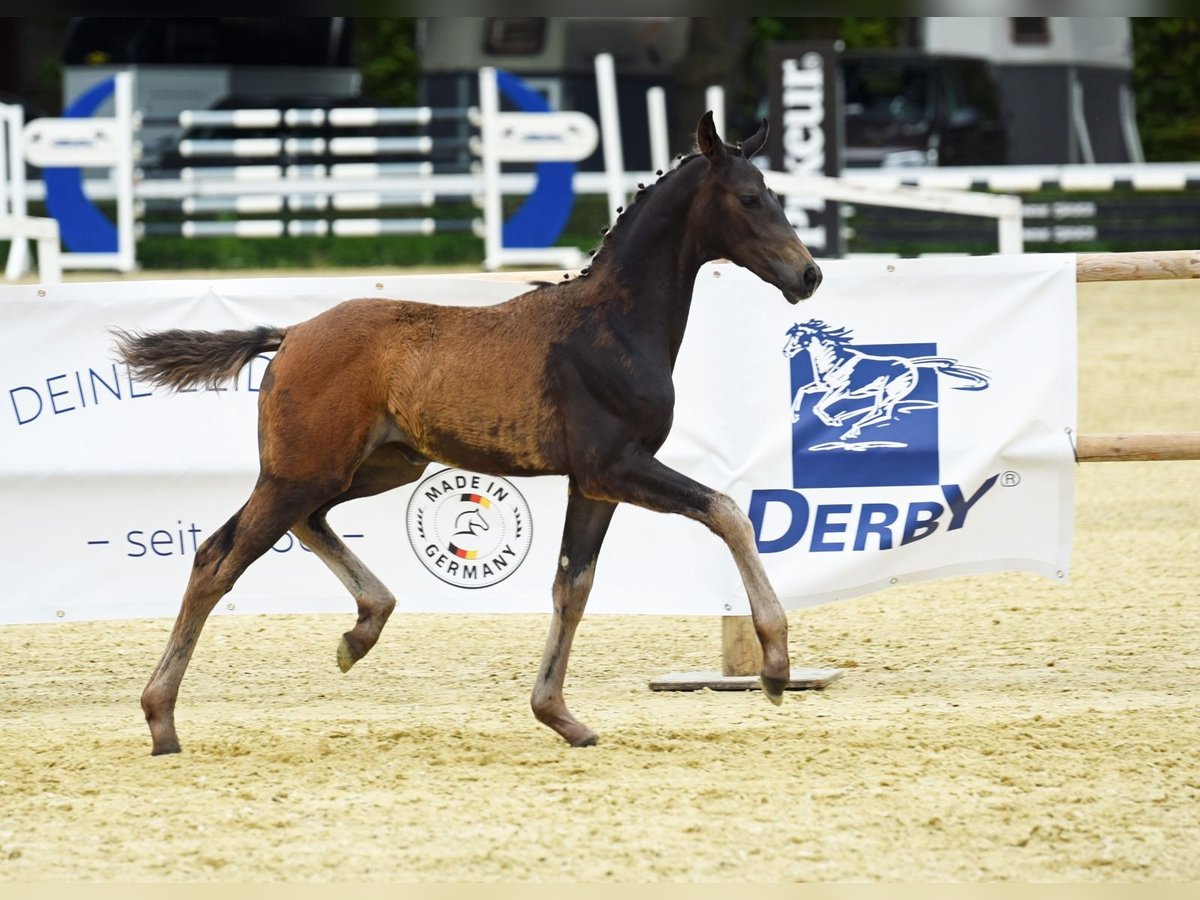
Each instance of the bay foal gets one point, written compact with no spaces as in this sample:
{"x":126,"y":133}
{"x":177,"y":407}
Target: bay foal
{"x":577,"y":379}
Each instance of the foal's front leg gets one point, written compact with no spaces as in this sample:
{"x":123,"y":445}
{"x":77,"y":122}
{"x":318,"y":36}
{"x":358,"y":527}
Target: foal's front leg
{"x":643,"y":480}
{"x":584,"y":530}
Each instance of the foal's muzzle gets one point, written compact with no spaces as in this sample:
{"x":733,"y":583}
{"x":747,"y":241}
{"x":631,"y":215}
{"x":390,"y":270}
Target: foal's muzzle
{"x":802,"y":284}
{"x":811,"y":278}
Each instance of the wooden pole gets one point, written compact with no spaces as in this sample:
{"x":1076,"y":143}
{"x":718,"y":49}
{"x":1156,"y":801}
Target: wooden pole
{"x":1132,"y":447}
{"x":1137,"y":266}
{"x":741,"y":653}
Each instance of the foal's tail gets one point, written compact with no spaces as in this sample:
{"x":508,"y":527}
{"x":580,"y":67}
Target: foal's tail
{"x":180,"y":359}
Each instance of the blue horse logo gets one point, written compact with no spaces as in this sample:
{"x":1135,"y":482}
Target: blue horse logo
{"x":880,"y":400}
{"x":864,"y":390}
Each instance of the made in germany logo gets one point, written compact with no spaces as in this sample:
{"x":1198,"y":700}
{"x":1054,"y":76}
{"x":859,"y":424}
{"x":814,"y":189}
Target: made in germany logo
{"x":469,"y":530}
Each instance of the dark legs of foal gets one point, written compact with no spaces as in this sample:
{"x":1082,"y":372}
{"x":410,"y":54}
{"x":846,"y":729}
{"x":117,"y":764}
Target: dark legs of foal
{"x":649,"y":483}
{"x":646,"y":482}
{"x":643,"y":480}
{"x":272,"y":509}
{"x":583,"y":532}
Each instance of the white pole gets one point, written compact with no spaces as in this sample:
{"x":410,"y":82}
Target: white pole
{"x":1133,"y":141}
{"x":1079,"y":120}
{"x":493,"y":212}
{"x":6,"y":170}
{"x":123,"y":171}
{"x":610,"y":133}
{"x":49,"y":253}
{"x":18,"y":251}
{"x":1011,"y":227}
{"x":714,"y":99}
{"x":660,"y":145}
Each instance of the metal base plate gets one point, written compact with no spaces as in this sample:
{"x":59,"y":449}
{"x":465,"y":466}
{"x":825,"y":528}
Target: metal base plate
{"x":801,"y":680}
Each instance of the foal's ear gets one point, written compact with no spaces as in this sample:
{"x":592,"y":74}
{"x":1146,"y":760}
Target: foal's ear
{"x":708,"y":141}
{"x":755,"y":142}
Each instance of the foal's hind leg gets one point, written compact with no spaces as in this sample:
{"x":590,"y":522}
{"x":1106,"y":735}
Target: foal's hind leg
{"x":586,"y":524}
{"x":219,"y":562}
{"x":375,"y":601}
{"x":387,"y":467}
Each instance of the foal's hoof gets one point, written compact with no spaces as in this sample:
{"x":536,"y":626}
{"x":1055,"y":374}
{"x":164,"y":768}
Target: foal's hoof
{"x":163,"y":739}
{"x":345,"y":656}
{"x":588,"y":740}
{"x":773,"y":688}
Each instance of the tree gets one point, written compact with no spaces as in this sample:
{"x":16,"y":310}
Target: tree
{"x":1166,"y":81}
{"x":386,"y":54}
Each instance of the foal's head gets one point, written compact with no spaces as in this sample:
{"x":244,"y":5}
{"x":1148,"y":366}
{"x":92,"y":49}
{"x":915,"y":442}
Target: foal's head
{"x":742,"y":220}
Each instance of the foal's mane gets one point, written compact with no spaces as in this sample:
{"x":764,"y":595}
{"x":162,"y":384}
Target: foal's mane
{"x":603,"y":251}
{"x":641,"y":200}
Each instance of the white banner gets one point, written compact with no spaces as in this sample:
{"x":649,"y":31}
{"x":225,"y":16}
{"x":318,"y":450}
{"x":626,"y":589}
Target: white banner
{"x":934,"y":413}
{"x":932,"y":436}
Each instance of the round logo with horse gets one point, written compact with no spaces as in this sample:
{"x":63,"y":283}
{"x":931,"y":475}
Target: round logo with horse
{"x":469,"y":530}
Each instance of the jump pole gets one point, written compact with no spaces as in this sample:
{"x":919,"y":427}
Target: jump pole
{"x":741,"y":655}
{"x":1137,"y":447}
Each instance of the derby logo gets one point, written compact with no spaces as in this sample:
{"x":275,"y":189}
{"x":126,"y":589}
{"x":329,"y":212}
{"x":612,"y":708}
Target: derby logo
{"x":469,"y":530}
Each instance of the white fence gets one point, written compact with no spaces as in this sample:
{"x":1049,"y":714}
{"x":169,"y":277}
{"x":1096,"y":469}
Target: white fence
{"x":16,"y":225}
{"x":252,"y":186}
{"x":269,"y":197}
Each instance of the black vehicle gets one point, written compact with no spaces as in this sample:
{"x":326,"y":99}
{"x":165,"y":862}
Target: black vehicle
{"x":916,"y":109}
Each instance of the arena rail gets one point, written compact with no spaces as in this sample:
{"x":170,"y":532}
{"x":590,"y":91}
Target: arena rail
{"x":1005,"y":209}
{"x":315,"y":186}
{"x":1104,"y":209}
{"x":287,"y":181}
{"x":1012,"y":179}
{"x":741,"y":656}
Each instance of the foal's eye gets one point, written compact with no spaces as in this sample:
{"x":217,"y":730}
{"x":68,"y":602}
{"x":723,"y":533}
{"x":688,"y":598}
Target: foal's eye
{"x":749,"y":200}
